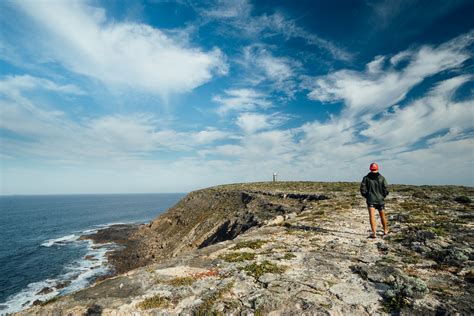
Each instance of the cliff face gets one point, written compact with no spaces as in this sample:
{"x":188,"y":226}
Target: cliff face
{"x":209,"y":216}
{"x":294,"y":248}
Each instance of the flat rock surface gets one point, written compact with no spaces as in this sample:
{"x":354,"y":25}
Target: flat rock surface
{"x":316,"y":261}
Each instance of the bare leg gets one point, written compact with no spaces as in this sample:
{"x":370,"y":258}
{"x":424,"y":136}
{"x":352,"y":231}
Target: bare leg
{"x":373,"y":225}
{"x":383,"y":219}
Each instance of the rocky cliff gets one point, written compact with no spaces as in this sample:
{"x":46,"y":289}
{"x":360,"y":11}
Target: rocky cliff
{"x":292,"y":248}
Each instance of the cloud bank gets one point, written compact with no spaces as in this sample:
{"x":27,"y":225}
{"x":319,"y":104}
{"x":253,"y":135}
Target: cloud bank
{"x":120,"y":54}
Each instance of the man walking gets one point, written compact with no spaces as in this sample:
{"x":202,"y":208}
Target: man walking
{"x":374,"y":188}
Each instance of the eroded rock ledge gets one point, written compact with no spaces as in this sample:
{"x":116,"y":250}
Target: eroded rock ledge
{"x":209,"y":216}
{"x":292,"y":248}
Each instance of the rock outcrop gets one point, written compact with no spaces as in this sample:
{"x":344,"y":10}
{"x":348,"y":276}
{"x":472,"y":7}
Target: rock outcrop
{"x":209,"y":216}
{"x":292,"y":248}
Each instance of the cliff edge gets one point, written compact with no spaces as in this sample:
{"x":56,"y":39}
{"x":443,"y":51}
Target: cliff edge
{"x":292,"y":248}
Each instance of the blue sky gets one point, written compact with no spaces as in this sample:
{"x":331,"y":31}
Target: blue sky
{"x":171,"y":96}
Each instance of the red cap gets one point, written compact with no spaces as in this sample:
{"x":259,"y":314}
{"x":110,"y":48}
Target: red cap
{"x":374,"y":167}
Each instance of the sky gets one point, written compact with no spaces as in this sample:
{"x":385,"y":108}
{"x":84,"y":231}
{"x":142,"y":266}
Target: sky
{"x":173,"y":96}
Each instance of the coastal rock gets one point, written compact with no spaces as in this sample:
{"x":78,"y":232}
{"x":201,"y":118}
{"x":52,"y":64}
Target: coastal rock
{"x":213,"y":254}
{"x":45,"y":290}
{"x":355,"y":294}
{"x":277,"y":220}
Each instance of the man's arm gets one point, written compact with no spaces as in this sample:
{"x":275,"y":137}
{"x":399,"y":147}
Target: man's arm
{"x":385,"y":187}
{"x":363,"y":187}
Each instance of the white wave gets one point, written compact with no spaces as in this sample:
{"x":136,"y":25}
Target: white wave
{"x":112,"y":224}
{"x":61,"y":241}
{"x":90,"y":231}
{"x":104,"y":226}
{"x":78,"y":275}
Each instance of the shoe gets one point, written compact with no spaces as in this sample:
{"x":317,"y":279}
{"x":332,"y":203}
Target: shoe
{"x":371,"y":236}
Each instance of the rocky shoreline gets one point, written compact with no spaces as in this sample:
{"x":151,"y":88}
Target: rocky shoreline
{"x":120,"y":235}
{"x":290,"y":248}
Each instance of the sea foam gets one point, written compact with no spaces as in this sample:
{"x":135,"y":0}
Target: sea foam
{"x":77,"y":275}
{"x":61,"y":241}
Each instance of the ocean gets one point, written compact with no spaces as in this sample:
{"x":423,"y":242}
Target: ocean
{"x":41,"y":255}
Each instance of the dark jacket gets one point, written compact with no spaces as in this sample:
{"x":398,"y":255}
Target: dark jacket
{"x":374,"y":188}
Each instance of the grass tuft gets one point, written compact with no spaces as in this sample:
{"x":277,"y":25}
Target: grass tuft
{"x":258,"y":269}
{"x":252,"y":244}
{"x":156,"y":301}
{"x":182,"y":281}
{"x":237,"y":256}
{"x":289,"y":256}
{"x":206,"y":307}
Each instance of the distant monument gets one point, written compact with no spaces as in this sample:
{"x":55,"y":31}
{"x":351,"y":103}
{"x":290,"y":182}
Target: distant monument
{"x":275,"y":177}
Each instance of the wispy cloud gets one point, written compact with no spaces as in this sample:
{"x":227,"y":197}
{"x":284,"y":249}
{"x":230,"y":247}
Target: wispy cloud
{"x":119,"y":54}
{"x":241,"y":100}
{"x":40,"y":131}
{"x":434,"y":113}
{"x":383,"y":83}
{"x":252,"y":122}
{"x":27,"y":82}
{"x":238,"y":18}
{"x":278,"y":73}
{"x":225,"y":9}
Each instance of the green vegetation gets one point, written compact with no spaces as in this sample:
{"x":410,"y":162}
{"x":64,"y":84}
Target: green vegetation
{"x":181,"y":281}
{"x":156,"y":301}
{"x":395,"y":304}
{"x":51,"y":300}
{"x":437,"y":229}
{"x":410,"y":259}
{"x":206,"y":307}
{"x":237,"y":256}
{"x":342,"y":206}
{"x":410,"y":205}
{"x":403,"y":291}
{"x":252,"y":244}
{"x":289,"y":256}
{"x":258,"y":269}
{"x":462,"y":199}
{"x":420,"y":195}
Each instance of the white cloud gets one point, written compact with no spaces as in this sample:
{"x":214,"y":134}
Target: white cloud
{"x":237,"y":15}
{"x":444,"y":163}
{"x":117,"y":150}
{"x":273,"y":145}
{"x":375,"y":89}
{"x":275,"y":68}
{"x":278,"y":23}
{"x":209,"y":135}
{"x":262,"y":67}
{"x":241,"y":100}
{"x":252,"y":122}
{"x":120,"y":54}
{"x":257,"y":149}
{"x":334,"y":142}
{"x":226,"y":9}
{"x":426,"y":116}
{"x":27,"y":82}
{"x":51,"y":134}
{"x":376,"y":65}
